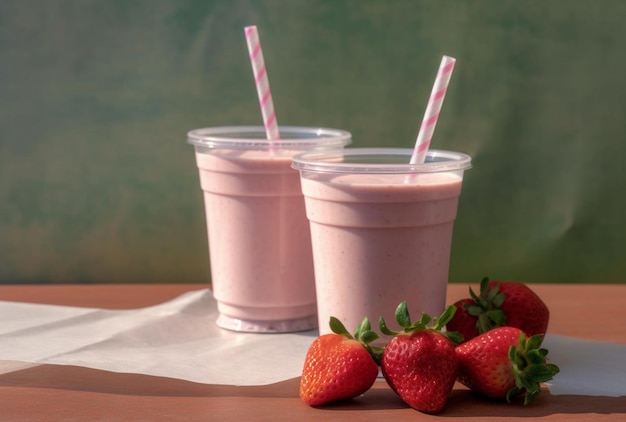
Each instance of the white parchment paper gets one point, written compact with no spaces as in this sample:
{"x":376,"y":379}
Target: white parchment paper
{"x":179,"y":339}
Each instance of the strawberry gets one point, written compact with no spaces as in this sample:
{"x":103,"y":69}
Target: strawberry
{"x":522,"y":307}
{"x":339,"y":366}
{"x":500,"y":303}
{"x":503,"y":363}
{"x":463,"y":322}
{"x":420,"y":363}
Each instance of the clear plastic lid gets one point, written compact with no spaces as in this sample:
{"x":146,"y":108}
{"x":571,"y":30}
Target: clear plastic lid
{"x":379,"y":161}
{"x":254,"y":137}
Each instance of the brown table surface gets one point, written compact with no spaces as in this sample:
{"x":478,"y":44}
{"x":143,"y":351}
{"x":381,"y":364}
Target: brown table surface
{"x":68,"y":393}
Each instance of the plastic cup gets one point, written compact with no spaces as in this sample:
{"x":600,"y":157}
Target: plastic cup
{"x":259,"y":239}
{"x":381,"y":230}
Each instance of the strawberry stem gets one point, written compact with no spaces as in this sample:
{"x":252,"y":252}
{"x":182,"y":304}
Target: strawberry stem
{"x":529,"y":368}
{"x":486,"y":307}
{"x":438,"y":323}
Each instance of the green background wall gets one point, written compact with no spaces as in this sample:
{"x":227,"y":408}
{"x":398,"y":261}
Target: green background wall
{"x":97,"y":183}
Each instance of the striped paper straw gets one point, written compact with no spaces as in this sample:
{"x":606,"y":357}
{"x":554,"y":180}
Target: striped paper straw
{"x":262,"y":83}
{"x":433,"y":109}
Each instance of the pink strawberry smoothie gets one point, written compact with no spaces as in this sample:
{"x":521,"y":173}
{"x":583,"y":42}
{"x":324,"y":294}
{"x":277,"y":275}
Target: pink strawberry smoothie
{"x":260,"y":245}
{"x":378,"y":240}
{"x":259,"y":238}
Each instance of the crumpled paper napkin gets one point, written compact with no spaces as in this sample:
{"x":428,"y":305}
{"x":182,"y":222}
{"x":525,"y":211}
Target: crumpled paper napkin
{"x":179,"y":339}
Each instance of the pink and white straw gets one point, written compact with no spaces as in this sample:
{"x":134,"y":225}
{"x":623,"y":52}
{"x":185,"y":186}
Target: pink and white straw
{"x":262,"y":83}
{"x":433,"y":109}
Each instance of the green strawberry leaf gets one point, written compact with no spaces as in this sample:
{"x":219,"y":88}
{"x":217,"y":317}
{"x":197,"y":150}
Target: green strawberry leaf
{"x":454,"y":337}
{"x":498,"y":300}
{"x":424,"y":320}
{"x":402,"y":315}
{"x":535,"y":357}
{"x":540,"y":372}
{"x":363,"y":326}
{"x":337,"y":327}
{"x":382,"y":325}
{"x":474,"y":309}
{"x":512,"y":393}
{"x":446,"y":317}
{"x":368,"y":337}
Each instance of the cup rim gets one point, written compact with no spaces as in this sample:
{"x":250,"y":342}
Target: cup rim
{"x":254,"y":137}
{"x":331,"y":161}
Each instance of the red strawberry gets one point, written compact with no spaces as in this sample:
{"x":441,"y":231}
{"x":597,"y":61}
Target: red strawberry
{"x":503,"y":363}
{"x":339,"y":366}
{"x":463,"y":322}
{"x":522,"y":307}
{"x":420,"y":363}
{"x":500,"y":303}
